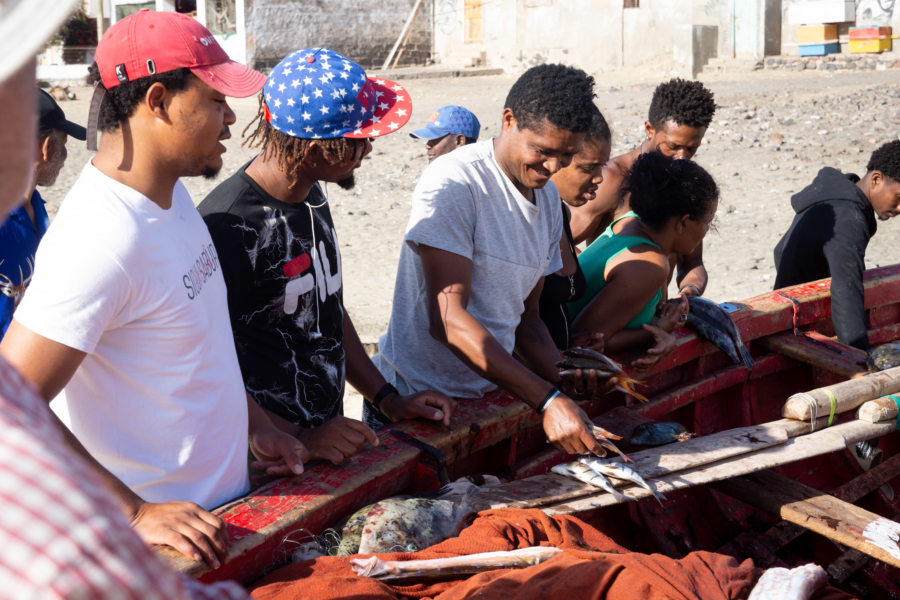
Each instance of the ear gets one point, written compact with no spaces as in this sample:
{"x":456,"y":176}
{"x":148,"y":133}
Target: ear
{"x":156,"y":100}
{"x":876,"y":180}
{"x":313,"y":157}
{"x":508,"y":119}
{"x":681,"y":224}
{"x":460,"y":140}
{"x":45,"y":149}
{"x":651,"y":131}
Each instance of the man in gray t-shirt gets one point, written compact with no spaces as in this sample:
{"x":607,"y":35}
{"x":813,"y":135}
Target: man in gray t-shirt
{"x":484,"y":231}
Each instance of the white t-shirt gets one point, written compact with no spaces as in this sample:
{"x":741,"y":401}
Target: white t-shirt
{"x":158,"y":400}
{"x":466,"y":205}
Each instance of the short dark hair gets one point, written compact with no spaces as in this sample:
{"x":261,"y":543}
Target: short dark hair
{"x":561,"y":95}
{"x":470,"y":140}
{"x":685,"y":102}
{"x":887,"y":160}
{"x":599,"y":129}
{"x":663,"y":187}
{"x":120,"y":102}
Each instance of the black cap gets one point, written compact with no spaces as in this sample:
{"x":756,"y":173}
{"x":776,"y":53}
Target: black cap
{"x":52,"y":117}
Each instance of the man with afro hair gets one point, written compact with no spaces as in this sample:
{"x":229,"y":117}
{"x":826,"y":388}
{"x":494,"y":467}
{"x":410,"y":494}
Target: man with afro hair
{"x":828,"y":237}
{"x":680,"y":112}
{"x":484,"y":231}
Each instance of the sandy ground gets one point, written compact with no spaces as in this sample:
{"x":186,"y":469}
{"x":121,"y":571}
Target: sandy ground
{"x":772,"y":132}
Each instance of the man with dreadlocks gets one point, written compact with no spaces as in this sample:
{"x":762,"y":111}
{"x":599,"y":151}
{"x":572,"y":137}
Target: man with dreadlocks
{"x":829,"y":234}
{"x":680,"y":112}
{"x":279,"y":253}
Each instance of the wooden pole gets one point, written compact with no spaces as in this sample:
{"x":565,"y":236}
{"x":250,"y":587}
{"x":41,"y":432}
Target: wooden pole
{"x":844,"y":396}
{"x":403,"y":34}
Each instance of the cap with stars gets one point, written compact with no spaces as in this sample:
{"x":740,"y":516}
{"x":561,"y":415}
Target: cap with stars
{"x":316,"y":93}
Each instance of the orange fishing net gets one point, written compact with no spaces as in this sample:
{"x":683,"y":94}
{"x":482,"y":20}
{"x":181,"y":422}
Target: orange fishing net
{"x":592,"y":566}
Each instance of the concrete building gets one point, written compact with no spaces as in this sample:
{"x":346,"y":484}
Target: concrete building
{"x":676,"y":35}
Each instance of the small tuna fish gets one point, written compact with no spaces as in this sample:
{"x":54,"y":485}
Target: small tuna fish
{"x":584,"y":358}
{"x":620,"y":471}
{"x":657,"y":434}
{"x":711,"y":322}
{"x":585,"y":474}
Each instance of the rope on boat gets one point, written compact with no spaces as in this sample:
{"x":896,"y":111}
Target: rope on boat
{"x":796,"y":306}
{"x":830,"y":395}
{"x":897,"y":402}
{"x":813,"y":409}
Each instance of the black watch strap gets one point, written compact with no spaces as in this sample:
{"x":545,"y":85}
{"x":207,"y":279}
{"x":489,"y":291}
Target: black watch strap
{"x":386,"y":390}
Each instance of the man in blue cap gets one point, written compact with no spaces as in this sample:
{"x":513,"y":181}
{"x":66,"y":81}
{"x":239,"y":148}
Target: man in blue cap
{"x":448,"y":128}
{"x":26,"y":225}
{"x":279,"y":252}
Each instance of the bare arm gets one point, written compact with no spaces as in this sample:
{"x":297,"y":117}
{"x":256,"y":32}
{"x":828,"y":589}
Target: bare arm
{"x":365,"y":377}
{"x":692,"y":276}
{"x":187,"y":527}
{"x":631,"y":284}
{"x":448,"y":280}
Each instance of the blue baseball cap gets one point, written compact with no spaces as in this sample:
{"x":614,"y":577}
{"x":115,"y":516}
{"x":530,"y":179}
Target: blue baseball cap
{"x":449,"y":119}
{"x":316,"y":93}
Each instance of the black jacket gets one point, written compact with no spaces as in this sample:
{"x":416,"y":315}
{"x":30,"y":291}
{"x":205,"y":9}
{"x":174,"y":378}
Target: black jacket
{"x":828,"y":238}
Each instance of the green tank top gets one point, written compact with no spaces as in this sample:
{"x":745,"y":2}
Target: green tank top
{"x":593,"y":262}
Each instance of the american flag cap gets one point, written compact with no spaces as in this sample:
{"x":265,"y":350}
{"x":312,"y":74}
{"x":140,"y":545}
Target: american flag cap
{"x":316,"y":93}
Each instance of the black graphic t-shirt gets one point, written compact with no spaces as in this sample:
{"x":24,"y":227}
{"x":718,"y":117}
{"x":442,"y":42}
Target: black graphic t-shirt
{"x":282,"y":266}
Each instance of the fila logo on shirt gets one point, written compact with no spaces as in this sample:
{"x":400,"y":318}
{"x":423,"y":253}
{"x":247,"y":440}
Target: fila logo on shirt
{"x":304,"y":281}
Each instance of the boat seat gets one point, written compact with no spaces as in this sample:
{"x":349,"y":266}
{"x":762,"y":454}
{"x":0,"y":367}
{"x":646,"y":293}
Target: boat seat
{"x":817,"y":350}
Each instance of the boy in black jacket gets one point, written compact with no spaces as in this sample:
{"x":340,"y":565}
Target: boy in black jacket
{"x":828,"y":237}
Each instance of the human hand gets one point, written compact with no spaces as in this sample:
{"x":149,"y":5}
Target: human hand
{"x":569,"y":429}
{"x":663,"y":343}
{"x":277,"y":453}
{"x":592,"y":340}
{"x":672,"y":314}
{"x":586,"y":383}
{"x":186,"y":527}
{"x":337,"y":439}
{"x":429,"y":404}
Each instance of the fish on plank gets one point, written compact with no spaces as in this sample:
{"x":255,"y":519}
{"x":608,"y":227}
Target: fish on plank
{"x":619,"y":471}
{"x":711,"y":322}
{"x":584,"y":474}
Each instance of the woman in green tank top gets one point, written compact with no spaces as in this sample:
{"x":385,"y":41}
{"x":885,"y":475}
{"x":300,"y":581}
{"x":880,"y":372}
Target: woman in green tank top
{"x":627,"y":267}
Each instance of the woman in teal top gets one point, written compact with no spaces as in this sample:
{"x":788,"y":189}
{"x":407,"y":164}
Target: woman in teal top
{"x":627,"y":267}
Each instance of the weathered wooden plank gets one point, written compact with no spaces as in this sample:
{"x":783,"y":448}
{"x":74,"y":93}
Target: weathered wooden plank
{"x":822,"y":513}
{"x":784,"y":533}
{"x":797,"y":448}
{"x":819,"y":352}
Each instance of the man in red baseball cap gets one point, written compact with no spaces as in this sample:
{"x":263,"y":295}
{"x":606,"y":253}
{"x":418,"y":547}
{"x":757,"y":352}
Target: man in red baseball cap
{"x":127,"y":306}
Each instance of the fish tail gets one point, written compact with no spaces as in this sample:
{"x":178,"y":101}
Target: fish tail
{"x":627,"y":385}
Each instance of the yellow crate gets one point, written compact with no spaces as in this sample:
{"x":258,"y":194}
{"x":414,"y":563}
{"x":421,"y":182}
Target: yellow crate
{"x":816,"y":34}
{"x":862,"y":46}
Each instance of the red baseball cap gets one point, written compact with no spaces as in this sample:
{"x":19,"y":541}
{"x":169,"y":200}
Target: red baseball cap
{"x":149,"y":42}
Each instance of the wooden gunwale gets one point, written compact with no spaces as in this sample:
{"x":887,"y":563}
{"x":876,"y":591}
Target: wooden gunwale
{"x":499,"y":428}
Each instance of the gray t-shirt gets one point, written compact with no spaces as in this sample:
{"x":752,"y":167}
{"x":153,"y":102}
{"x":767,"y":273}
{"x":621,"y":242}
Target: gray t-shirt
{"x":466,"y":205}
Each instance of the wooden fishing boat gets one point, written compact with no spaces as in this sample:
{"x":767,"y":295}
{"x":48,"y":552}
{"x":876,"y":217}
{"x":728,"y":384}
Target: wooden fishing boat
{"x":788,"y":332}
